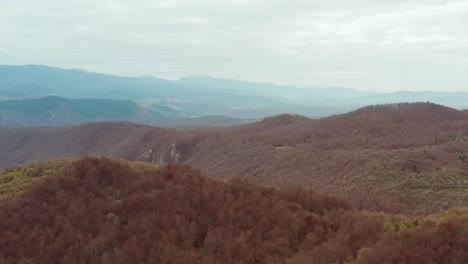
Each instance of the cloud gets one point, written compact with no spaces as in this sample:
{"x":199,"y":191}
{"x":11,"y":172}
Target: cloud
{"x":380,"y":44}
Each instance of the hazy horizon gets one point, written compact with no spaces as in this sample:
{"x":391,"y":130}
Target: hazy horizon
{"x":379,"y":46}
{"x":233,"y":79}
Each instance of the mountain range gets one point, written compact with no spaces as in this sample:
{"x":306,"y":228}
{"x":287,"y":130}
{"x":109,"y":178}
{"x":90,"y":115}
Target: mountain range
{"x":199,"y":96}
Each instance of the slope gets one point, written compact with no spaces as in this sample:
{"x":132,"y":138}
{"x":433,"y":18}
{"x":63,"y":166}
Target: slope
{"x":396,"y":158}
{"x":58,"y":111}
{"x":104,"y":211}
{"x":404,"y":158}
{"x":117,"y":139}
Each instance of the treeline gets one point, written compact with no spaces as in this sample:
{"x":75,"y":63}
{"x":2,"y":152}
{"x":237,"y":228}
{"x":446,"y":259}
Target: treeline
{"x":103,"y":211}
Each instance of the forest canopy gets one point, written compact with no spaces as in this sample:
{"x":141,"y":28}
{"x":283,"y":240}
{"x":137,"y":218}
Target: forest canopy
{"x":99,"y":210}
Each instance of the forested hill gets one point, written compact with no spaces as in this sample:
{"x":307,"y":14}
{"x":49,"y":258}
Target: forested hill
{"x":400,"y":158}
{"x":97,"y":210}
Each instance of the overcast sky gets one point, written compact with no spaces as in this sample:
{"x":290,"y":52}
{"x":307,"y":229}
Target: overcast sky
{"x":364,"y":44}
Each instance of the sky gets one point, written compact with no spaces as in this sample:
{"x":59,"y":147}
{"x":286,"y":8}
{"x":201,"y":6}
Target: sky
{"x":382,"y":45}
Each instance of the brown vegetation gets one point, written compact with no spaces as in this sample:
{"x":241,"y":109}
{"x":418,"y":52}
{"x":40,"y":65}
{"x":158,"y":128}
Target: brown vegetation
{"x":400,"y":158}
{"x":406,"y":158}
{"x":103,"y":211}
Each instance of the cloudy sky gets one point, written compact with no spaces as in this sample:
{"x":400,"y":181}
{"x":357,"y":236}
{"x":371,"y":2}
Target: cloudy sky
{"x":365,"y":44}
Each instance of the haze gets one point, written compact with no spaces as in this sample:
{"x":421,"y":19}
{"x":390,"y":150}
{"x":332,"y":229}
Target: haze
{"x":367,"y":45}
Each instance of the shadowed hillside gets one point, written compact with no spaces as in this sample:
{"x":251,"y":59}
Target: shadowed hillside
{"x":98,"y":210}
{"x":407,"y":158}
{"x":124,"y":140}
{"x":58,"y":111}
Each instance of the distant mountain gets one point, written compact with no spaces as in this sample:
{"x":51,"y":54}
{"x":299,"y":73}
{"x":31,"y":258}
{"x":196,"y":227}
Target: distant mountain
{"x":458,"y":100}
{"x":399,"y":158}
{"x":288,"y":93}
{"x":199,"y":96}
{"x":58,"y":111}
{"x":191,"y":96}
{"x":323,"y":101}
{"x":37,"y":80}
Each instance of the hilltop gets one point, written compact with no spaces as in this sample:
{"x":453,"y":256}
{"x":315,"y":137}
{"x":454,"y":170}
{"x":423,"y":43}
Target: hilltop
{"x":406,"y":158}
{"x":15,"y":180}
{"x":97,"y":210}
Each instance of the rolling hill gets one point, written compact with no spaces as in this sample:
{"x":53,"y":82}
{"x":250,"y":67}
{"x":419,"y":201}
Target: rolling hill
{"x":399,"y":158}
{"x":98,"y":210}
{"x":59,"y":111}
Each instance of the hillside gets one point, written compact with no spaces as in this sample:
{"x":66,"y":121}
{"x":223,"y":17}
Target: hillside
{"x":58,"y":111}
{"x":396,"y":158}
{"x":117,"y":139}
{"x":400,"y":158}
{"x":96,"y":210}
{"x":15,"y":180}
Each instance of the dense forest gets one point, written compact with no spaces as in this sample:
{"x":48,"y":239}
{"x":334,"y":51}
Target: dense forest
{"x":100,"y":210}
{"x":399,"y":158}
